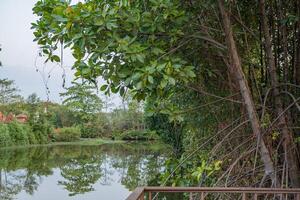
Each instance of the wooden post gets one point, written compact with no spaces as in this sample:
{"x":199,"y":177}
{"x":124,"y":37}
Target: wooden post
{"x":191,"y":196}
{"x":255,"y":196}
{"x":244,"y":196}
{"x":202,"y":196}
{"x":150,"y":195}
{"x":142,"y":196}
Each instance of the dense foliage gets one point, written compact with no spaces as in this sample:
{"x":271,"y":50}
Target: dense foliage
{"x":222,"y":75}
{"x":136,"y":135}
{"x":67,"y":134}
{"x":79,"y":116}
{"x":16,"y":134}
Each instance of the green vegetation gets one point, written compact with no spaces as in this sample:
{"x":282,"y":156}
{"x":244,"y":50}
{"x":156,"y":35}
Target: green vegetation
{"x":15,"y":133}
{"x":79,"y":116}
{"x":216,"y":80}
{"x":219,"y":79}
{"x":18,"y":133}
{"x":5,"y":138}
{"x":67,"y":134}
{"x":136,"y":135}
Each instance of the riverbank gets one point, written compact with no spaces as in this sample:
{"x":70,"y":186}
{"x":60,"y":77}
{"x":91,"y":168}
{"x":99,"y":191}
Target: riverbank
{"x":155,"y":144}
{"x":82,"y":141}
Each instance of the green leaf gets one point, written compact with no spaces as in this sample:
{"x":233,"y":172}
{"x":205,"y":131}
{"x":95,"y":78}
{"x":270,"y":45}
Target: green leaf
{"x":55,"y":58}
{"x":122,"y":91}
{"x":150,"y":79}
{"x":163,"y":83}
{"x":59,"y":18}
{"x":86,"y":71}
{"x":103,"y":87}
{"x":140,"y":58}
{"x":139,"y":85}
{"x":99,"y":22}
{"x":172,"y":81}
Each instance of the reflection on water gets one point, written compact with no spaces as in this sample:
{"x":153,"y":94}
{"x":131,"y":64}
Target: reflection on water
{"x":105,"y":172}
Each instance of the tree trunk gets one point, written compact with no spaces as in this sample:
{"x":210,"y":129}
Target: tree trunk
{"x":297,"y":65}
{"x":297,"y":57}
{"x":288,"y":144}
{"x":283,"y":30}
{"x":247,"y":97}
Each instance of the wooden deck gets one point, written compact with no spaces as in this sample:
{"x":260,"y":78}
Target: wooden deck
{"x":200,"y":193}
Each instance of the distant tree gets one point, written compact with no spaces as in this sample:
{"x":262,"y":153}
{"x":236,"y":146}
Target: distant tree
{"x":33,"y":99}
{"x":0,"y":61}
{"x":81,"y":99}
{"x":8,"y":92}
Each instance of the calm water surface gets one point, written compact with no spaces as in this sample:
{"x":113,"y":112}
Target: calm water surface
{"x":104,"y":172}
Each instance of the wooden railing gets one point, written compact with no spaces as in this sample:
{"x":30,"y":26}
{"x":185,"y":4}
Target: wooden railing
{"x":201,"y":193}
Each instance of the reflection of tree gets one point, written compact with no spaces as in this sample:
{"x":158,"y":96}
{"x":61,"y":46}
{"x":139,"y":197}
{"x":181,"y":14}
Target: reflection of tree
{"x":141,"y":171}
{"x":10,"y":185}
{"x":138,"y":165}
{"x":80,"y":174}
{"x":107,"y":171}
{"x":31,"y":184}
{"x":81,"y":167}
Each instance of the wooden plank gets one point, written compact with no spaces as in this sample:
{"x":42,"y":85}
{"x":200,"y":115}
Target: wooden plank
{"x":136,"y":194}
{"x":224,"y":190}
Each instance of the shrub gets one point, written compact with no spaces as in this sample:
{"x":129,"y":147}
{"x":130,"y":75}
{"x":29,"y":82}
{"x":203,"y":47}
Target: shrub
{"x":136,"y":135}
{"x":42,"y":132}
{"x":90,"y":130}
{"x":5,"y":139}
{"x":27,"y":132}
{"x":67,"y":134}
{"x":31,"y":136}
{"x":18,"y":133}
{"x":87,"y":131}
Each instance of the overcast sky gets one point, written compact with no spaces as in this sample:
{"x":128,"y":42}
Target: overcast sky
{"x":19,"y":53}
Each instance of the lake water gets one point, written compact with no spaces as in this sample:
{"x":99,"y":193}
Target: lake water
{"x":103,"y":172}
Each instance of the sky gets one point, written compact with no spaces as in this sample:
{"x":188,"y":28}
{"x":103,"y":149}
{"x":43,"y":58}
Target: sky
{"x":19,"y":55}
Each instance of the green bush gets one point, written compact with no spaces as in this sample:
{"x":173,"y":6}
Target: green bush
{"x":67,"y":134}
{"x":18,"y":133}
{"x":32,"y":138}
{"x":41,"y":137}
{"x":5,"y":139}
{"x":88,"y":131}
{"x":91,"y":131}
{"x":28,"y":131}
{"x":136,"y":135}
{"x":42,"y":131}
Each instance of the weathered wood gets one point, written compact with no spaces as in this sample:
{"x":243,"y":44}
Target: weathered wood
{"x":191,"y":196}
{"x":202,"y":196}
{"x":244,"y":196}
{"x":255,"y":197}
{"x":224,"y":190}
{"x":136,"y":194}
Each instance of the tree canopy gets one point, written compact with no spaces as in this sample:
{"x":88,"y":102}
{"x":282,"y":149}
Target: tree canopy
{"x":227,"y":72}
